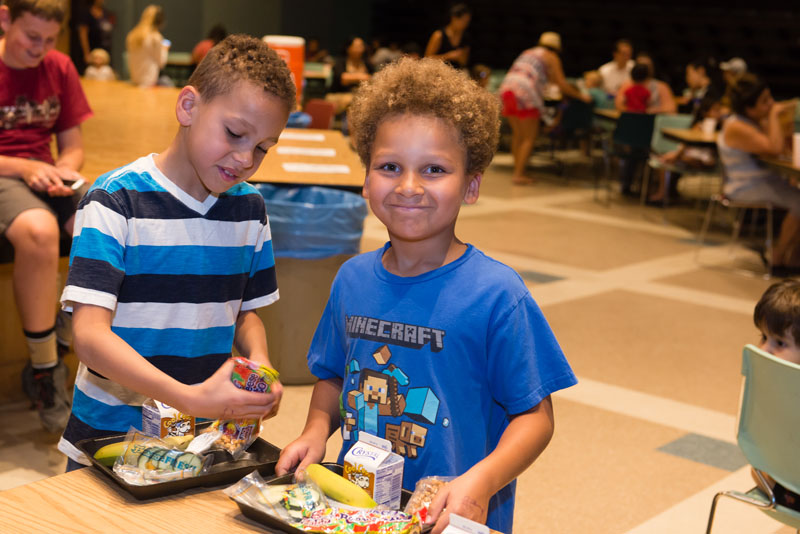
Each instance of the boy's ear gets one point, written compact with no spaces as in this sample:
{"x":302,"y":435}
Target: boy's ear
{"x":5,"y":18}
{"x":473,"y":188}
{"x":365,"y":187}
{"x":187,"y":104}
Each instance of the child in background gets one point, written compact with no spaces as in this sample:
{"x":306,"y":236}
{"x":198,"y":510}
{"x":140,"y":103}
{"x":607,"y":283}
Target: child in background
{"x":172,"y":256}
{"x":593,"y":84}
{"x":467,"y":357}
{"x":634,"y":99}
{"x":99,"y":68}
{"x":670,"y":165}
{"x":41,"y":98}
{"x":777,"y":317}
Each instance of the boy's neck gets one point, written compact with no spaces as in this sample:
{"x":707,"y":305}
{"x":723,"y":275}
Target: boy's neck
{"x":174,"y":165}
{"x":408,"y":259}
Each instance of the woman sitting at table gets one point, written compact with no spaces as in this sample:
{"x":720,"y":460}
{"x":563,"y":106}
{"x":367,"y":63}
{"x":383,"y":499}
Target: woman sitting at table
{"x":348,"y":72}
{"x":522,"y":93}
{"x":755,"y":130}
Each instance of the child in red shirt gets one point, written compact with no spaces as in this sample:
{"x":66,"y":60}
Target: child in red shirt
{"x":637,"y":95}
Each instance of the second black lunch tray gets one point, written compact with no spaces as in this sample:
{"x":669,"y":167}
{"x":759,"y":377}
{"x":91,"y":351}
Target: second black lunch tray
{"x":273,"y":522}
{"x":261,"y":456}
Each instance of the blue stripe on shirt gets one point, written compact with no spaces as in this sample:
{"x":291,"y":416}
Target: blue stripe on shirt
{"x":94,"y":244}
{"x":188,"y":259}
{"x":178,"y":341}
{"x":101,"y":415}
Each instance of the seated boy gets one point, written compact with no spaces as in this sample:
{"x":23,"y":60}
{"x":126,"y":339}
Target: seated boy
{"x":172,"y":256}
{"x":777,"y":317}
{"x":40,"y":96}
{"x":428,"y":342}
{"x":635,"y":97}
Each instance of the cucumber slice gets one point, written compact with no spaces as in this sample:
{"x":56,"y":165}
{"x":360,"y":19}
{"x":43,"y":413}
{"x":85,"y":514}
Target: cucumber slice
{"x":150,"y":458}
{"x":168,"y":460}
{"x":189,"y":461}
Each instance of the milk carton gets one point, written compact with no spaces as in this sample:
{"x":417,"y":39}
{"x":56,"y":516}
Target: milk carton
{"x":371,"y":464}
{"x":160,"y":420}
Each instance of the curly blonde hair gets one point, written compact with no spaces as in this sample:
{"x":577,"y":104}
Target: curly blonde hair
{"x":427,"y":87}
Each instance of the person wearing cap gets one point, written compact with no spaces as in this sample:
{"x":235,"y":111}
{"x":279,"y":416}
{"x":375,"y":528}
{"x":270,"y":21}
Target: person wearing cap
{"x":733,"y":69}
{"x":522,"y":93}
{"x":618,"y":70}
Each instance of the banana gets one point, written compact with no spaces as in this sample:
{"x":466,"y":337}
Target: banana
{"x":339,"y":488}
{"x":179,"y":442}
{"x":107,"y":454}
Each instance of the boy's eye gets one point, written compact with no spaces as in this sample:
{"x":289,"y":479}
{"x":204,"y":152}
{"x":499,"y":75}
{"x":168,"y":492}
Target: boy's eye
{"x":391,"y":167}
{"x":230,"y":133}
{"x":434,"y":169}
{"x":262,"y":149}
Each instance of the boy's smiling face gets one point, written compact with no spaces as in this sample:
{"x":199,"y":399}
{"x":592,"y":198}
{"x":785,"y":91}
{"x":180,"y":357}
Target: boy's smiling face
{"x":228,"y":136}
{"x":27,"y":39}
{"x":417,"y":178}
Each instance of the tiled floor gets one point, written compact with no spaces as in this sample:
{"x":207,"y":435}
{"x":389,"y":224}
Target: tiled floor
{"x":647,"y":437}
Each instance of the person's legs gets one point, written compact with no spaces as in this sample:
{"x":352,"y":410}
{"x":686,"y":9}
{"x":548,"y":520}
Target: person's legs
{"x":34,"y":234}
{"x":787,"y":248}
{"x":528,"y":131}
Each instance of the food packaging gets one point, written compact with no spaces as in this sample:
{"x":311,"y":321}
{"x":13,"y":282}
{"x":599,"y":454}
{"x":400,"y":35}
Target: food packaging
{"x":371,"y":465}
{"x":424,"y":492}
{"x":160,"y":420}
{"x":288,"y":502}
{"x":148,"y":460}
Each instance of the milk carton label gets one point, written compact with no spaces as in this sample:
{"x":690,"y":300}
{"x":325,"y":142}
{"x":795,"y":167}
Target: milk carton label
{"x":160,"y":420}
{"x":376,"y":470}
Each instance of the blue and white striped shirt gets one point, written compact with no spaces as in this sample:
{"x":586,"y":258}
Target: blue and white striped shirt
{"x":175,"y":271}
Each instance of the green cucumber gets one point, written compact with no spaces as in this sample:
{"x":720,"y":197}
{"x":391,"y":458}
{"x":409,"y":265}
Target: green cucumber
{"x":189,"y":461}
{"x":150,"y":458}
{"x":168,"y":460}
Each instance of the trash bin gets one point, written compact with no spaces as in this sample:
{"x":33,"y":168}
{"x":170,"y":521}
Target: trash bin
{"x":314,"y":231}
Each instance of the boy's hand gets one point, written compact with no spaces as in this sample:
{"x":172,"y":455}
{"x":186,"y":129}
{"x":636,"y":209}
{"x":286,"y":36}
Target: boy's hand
{"x":45,"y":178}
{"x":299,"y":454}
{"x":465,"y":496}
{"x":218,"y":398}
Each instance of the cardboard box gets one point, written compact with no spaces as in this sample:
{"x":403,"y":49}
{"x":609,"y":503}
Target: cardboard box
{"x":371,"y":464}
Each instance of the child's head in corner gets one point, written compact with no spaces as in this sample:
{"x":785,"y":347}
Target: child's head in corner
{"x":30,"y":30}
{"x":777,"y":316}
{"x":232,"y":110}
{"x":425,"y":132}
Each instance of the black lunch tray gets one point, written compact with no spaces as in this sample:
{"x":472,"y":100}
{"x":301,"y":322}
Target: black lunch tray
{"x":271,"y":521}
{"x":261,"y":456}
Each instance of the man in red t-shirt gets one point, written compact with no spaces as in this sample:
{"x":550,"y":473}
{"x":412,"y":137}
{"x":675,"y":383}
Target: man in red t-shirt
{"x":40,"y":95}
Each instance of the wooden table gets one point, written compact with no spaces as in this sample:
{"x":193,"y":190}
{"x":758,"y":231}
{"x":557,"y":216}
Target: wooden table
{"x":610,"y":114}
{"x":691,"y":137}
{"x":130,"y":122}
{"x":85,"y":501}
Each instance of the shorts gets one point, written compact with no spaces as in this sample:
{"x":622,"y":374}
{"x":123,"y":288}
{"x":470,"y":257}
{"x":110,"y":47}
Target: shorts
{"x":511,"y":108}
{"x":16,"y":197}
{"x":773,"y":189}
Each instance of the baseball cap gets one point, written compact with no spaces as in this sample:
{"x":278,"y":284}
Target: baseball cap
{"x":734,"y":64}
{"x":551,"y":40}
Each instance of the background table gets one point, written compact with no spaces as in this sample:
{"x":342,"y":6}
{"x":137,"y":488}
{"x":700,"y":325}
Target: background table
{"x":691,"y":137}
{"x":130,"y":122}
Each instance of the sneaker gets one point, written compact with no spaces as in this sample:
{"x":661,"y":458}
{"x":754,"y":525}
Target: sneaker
{"x":47,"y":389}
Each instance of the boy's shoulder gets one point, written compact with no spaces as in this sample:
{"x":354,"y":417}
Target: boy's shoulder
{"x":136,"y":175}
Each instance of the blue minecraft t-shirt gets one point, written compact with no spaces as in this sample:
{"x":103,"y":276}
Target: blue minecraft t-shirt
{"x":436,"y":363}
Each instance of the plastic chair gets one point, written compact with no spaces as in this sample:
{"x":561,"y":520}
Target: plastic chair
{"x":575,"y":123}
{"x":740,"y":208}
{"x":768,"y":419}
{"x":631,"y":140}
{"x":321,"y":112}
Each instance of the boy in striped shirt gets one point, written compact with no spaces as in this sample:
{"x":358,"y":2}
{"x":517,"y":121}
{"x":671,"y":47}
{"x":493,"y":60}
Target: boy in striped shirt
{"x":172,"y":255}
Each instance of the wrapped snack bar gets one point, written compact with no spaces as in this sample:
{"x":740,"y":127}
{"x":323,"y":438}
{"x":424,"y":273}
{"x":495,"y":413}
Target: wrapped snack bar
{"x":424,"y":492}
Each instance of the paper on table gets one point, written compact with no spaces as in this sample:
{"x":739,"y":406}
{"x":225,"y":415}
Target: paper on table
{"x":306,"y":151}
{"x":303,"y":136}
{"x":318,"y":168}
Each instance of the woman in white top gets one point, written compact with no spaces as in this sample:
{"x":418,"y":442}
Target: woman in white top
{"x":147,"y":48}
{"x":755,"y":130}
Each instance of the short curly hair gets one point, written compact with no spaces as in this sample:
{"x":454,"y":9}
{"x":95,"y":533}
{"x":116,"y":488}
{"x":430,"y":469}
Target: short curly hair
{"x":427,"y":87}
{"x":242,"y":57}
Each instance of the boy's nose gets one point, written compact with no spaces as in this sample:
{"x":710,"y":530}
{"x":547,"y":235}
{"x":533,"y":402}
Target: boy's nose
{"x":244,"y":158}
{"x":410,"y":183}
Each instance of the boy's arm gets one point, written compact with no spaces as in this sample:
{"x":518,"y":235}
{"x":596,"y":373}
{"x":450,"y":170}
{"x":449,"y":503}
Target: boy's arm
{"x":322,"y":421}
{"x":109,"y":355}
{"x":70,"y":149}
{"x":526,"y":436}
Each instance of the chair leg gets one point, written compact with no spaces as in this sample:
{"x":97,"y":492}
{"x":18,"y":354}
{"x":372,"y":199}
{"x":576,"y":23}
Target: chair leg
{"x":712,"y":512}
{"x":769,"y":243}
{"x":646,"y":174}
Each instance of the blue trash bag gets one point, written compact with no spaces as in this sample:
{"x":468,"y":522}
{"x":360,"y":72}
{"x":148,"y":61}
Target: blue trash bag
{"x":298,"y":119}
{"x":313,"y":222}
